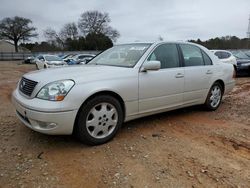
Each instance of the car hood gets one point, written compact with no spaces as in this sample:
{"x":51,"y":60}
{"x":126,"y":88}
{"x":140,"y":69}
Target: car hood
{"x":80,"y":73}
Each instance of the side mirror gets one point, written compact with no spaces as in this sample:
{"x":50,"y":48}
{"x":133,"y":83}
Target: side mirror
{"x":151,"y":65}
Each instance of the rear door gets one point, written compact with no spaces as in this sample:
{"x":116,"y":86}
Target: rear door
{"x":163,"y":88}
{"x":198,"y":72}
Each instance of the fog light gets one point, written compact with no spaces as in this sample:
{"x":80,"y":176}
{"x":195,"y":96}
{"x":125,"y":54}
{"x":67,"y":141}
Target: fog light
{"x":51,"y":125}
{"x":46,"y":125}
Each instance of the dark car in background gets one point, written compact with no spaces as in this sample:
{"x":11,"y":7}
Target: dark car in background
{"x":243,"y":62}
{"x":29,"y":60}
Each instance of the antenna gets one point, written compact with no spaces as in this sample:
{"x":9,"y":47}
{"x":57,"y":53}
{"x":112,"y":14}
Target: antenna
{"x":248,"y":30}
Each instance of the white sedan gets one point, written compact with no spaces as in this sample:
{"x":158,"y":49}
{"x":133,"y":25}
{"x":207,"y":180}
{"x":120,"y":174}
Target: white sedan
{"x":226,"y":57}
{"x":49,"y":61}
{"x":93,"y":101}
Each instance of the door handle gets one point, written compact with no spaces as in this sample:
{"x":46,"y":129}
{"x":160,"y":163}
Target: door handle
{"x":179,"y":75}
{"x":209,"y":72}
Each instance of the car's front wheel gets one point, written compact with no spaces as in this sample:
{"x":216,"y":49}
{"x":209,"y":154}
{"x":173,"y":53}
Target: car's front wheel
{"x":98,"y":120}
{"x":214,"y":96}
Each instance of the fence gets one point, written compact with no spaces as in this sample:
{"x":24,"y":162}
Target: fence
{"x":8,"y":56}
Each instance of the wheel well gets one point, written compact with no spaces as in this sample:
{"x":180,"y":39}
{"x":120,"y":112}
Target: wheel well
{"x":235,"y":68}
{"x":222,"y":84}
{"x":110,"y":93}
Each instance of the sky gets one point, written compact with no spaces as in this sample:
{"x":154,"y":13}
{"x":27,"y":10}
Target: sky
{"x":141,"y":20}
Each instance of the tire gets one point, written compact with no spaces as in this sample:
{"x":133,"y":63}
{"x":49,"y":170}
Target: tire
{"x":98,"y":120}
{"x":214,"y":97}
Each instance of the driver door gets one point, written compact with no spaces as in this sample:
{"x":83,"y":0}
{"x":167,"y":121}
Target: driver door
{"x":163,"y":88}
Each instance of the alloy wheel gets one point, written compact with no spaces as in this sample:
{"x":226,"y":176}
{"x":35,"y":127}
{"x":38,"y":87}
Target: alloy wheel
{"x":215,"y":97}
{"x":102,"y":120}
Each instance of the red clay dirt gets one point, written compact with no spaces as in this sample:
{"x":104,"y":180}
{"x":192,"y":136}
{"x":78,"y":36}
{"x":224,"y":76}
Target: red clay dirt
{"x":184,"y":148}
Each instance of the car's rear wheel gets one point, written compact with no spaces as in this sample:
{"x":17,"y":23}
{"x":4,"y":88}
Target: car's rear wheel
{"x":98,"y":120}
{"x":214,"y":96}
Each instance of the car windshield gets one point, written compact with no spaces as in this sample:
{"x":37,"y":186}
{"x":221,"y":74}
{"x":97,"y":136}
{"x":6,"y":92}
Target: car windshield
{"x":247,"y":53}
{"x":240,"y":55}
{"x":126,"y":55}
{"x":52,"y":58}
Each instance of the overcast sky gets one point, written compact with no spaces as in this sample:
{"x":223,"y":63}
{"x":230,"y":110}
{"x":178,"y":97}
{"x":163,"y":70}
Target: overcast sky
{"x":140,"y":20}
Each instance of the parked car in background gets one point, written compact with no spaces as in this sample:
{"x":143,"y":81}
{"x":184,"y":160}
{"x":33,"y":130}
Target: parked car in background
{"x":29,"y":60}
{"x":226,"y":57}
{"x":247,"y":52}
{"x":243,"y":62}
{"x":82,"y":58}
{"x":93,"y":101}
{"x":49,"y":61}
{"x":68,"y":59}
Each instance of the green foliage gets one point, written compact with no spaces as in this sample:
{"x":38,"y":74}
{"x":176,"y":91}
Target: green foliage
{"x":228,"y":42}
{"x":98,"y":41}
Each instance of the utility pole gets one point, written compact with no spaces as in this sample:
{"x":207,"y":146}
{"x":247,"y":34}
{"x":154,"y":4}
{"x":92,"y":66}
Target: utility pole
{"x":248,"y":33}
{"x":248,"y":30}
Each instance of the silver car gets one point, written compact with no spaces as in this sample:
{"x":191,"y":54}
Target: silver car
{"x":48,"y":61}
{"x":93,"y":101}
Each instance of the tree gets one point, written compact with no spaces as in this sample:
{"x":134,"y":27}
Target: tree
{"x":53,"y":37}
{"x":94,"y":22}
{"x":16,"y":29}
{"x":98,"y":41}
{"x":226,"y":42}
{"x":69,"y":31}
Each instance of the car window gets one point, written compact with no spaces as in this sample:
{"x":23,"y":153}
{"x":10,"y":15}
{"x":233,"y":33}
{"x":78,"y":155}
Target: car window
{"x":192,"y":55}
{"x":206,"y":59}
{"x":84,"y":56}
{"x":218,"y":54}
{"x":40,"y":58}
{"x":52,"y":58}
{"x":167,"y":54}
{"x":81,"y":56}
{"x":114,"y":56}
{"x":131,"y":55}
{"x":225,"y":55}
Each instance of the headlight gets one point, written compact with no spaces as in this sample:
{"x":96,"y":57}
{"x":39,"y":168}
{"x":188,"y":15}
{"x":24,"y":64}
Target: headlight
{"x":55,"y":91}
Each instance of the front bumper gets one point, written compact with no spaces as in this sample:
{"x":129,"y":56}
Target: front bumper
{"x":51,"y":122}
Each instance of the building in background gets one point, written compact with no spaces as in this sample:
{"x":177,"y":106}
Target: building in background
{"x":6,"y":46}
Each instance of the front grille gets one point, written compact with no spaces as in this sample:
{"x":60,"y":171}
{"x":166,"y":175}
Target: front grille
{"x":27,"y":86}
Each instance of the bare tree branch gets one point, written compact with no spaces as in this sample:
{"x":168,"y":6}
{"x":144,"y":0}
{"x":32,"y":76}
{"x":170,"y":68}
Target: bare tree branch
{"x":97,"y":22}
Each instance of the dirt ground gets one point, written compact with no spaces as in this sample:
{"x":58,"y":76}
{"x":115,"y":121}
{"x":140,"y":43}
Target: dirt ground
{"x":184,"y":148}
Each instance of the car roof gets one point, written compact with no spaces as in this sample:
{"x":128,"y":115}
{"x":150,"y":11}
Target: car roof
{"x":220,"y":51}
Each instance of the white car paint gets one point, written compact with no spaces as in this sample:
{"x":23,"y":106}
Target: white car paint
{"x":143,"y":93}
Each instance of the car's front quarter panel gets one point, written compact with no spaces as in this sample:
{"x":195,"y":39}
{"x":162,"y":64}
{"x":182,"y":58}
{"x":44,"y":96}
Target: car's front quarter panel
{"x":125,"y":85}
